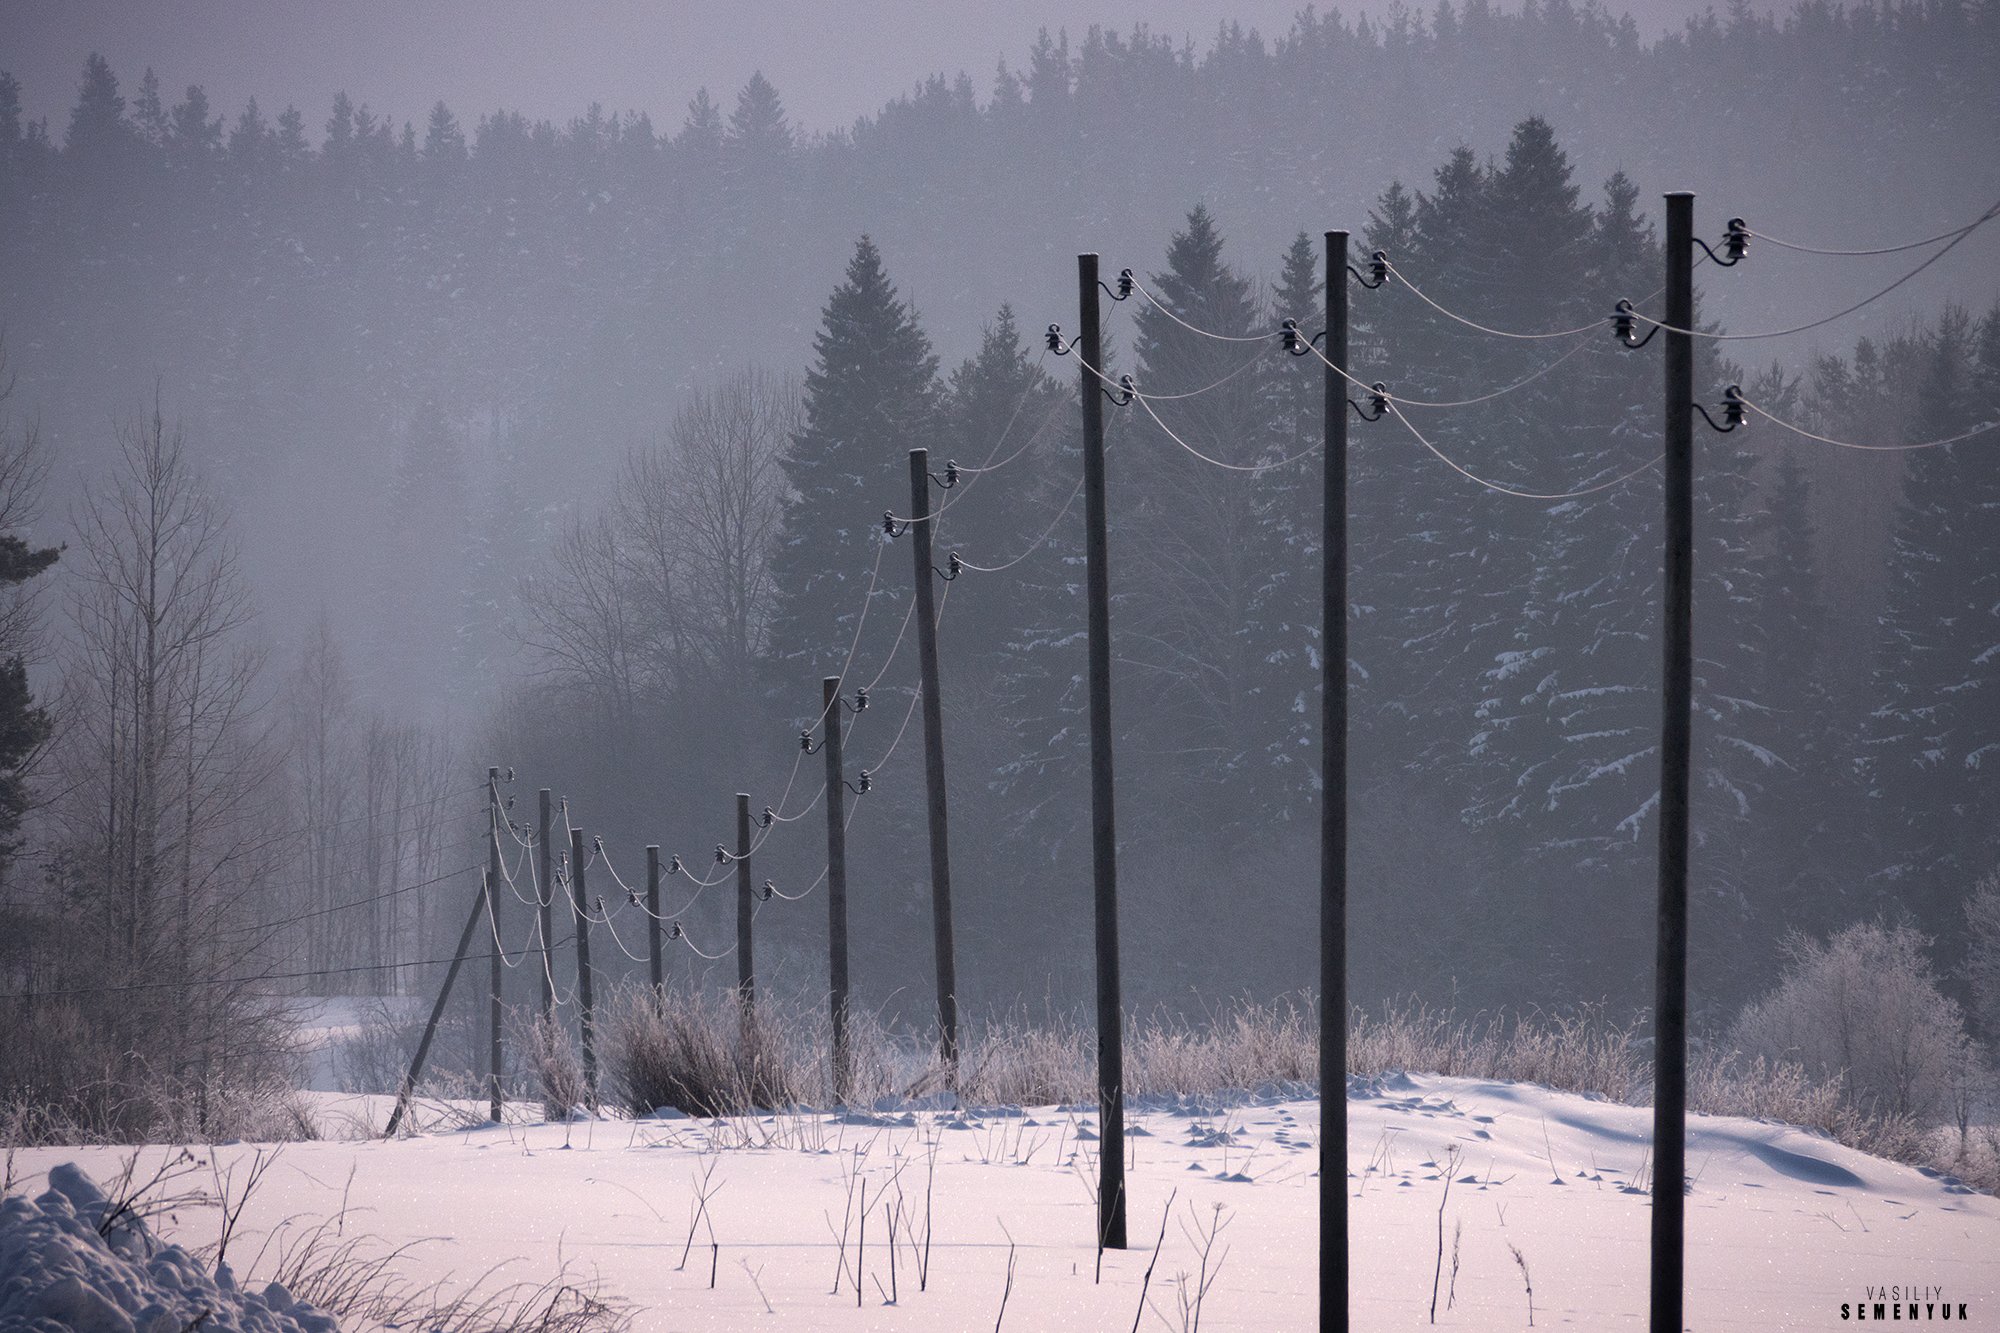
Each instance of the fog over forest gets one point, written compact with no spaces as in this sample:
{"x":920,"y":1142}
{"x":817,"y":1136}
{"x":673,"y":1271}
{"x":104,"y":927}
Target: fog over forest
{"x":467,"y":437}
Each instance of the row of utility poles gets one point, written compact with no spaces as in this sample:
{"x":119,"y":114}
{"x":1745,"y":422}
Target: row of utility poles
{"x":1670,"y":1010}
{"x":1668,"y":1225}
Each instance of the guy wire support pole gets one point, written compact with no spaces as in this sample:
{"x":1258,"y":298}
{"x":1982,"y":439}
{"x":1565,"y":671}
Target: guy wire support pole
{"x":493,"y":1004}
{"x":746,"y":975}
{"x":586,"y":1008}
{"x":927,"y":661}
{"x":409,"y":1087}
{"x":1333,"y":809}
{"x":545,"y":862}
{"x":1103,"y":830}
{"x":836,"y":880}
{"x":1676,"y":723}
{"x":654,"y":955}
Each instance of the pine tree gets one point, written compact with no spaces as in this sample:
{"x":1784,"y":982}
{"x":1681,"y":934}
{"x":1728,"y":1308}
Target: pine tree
{"x":1189,"y":572}
{"x":871,"y":397}
{"x":24,"y":724}
{"x":1933,"y":742}
{"x":999,"y":411}
{"x":1283,"y":627}
{"x":98,"y":129}
{"x":757,"y":149}
{"x":1802,"y":831}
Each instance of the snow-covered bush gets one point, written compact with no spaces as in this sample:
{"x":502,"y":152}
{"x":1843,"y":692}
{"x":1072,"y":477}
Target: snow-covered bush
{"x":1864,"y":1008}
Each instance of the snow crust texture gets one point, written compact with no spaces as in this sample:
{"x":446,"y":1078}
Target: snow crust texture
{"x":64,"y":1269}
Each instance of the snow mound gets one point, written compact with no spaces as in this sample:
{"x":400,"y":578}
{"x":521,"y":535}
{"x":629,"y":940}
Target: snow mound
{"x":67,"y":1268}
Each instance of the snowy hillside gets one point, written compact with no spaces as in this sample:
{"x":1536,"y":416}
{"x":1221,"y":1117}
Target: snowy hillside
{"x":1784,"y":1227}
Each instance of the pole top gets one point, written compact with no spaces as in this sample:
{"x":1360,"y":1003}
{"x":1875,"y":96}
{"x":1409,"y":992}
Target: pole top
{"x":920,"y":453}
{"x":1680,"y":194}
{"x":1336,"y":235}
{"x":653,"y":847}
{"x":743,"y":796}
{"x":493,"y":770}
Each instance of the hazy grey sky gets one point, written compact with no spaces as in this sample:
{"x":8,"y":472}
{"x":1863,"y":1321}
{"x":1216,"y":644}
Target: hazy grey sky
{"x":832,"y":60}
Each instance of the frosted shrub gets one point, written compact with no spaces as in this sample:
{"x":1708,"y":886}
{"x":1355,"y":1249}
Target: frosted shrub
{"x":557,"y":1064}
{"x":696,"y":1053}
{"x":1864,"y":1008}
{"x":1013,"y":1063}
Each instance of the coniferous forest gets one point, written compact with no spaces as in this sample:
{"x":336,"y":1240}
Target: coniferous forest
{"x":565,"y":447}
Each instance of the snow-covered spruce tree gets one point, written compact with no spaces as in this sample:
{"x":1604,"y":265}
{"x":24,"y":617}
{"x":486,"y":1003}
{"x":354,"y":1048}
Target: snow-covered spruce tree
{"x":757,"y":148}
{"x":1797,"y":841}
{"x":1042,"y":777}
{"x":24,"y":722}
{"x":1189,"y":567}
{"x":1982,"y":956}
{"x":999,"y":403}
{"x":1283,"y":623}
{"x":1932,"y":749}
{"x":871,"y":397}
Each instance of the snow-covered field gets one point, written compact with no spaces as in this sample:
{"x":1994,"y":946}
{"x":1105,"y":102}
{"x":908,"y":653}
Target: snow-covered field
{"x":1784,"y":1226}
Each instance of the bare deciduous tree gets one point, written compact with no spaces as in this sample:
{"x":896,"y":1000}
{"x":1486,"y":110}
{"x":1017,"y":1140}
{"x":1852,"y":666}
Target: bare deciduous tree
{"x":660,"y":598}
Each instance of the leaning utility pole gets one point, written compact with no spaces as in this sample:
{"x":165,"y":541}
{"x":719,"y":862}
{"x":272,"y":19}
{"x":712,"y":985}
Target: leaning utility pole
{"x":1333,"y":807}
{"x":1103,"y":831}
{"x":836,"y":879}
{"x":925,"y":611}
{"x":1676,"y":742}
{"x":416,"y":1072}
{"x":498,"y":979}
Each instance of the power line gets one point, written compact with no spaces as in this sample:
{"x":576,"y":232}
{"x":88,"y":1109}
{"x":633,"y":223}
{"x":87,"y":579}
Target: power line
{"x":1508,"y":490}
{"x":1880,"y":250}
{"x":1960,"y":236}
{"x":1216,"y":462}
{"x":132,"y":987}
{"x":1474,"y":324}
{"x":1056,"y":402}
{"x":1581,"y":346}
{"x":378,"y":814}
{"x":1982,"y":428}
{"x":1196,"y":393}
{"x":1036,"y":544}
{"x":1162,"y":307}
{"x":680,"y":933}
{"x":342,"y":907}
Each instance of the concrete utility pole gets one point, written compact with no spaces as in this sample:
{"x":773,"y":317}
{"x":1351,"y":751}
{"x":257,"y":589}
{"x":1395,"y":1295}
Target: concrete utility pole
{"x":836,"y":879}
{"x":498,"y":978}
{"x":1333,"y":808}
{"x":1676,"y":747}
{"x":586,"y":1007}
{"x":1103,"y":829}
{"x":925,"y":611}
